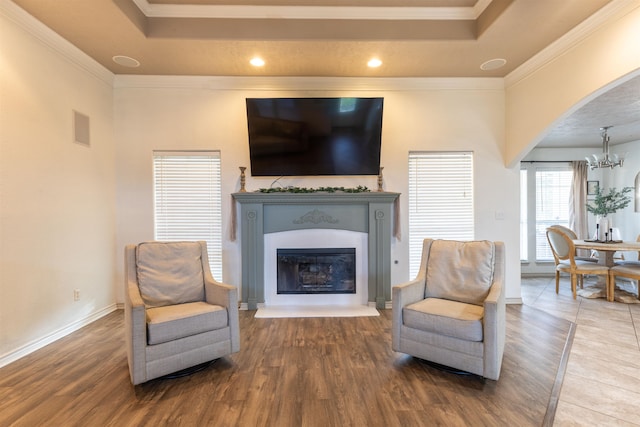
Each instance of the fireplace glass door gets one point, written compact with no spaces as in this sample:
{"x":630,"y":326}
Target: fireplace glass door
{"x":314,"y":271}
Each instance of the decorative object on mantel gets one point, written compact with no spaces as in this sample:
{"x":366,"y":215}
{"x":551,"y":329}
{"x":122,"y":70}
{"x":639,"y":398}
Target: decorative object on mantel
{"x":603,"y":205}
{"x":358,"y":189}
{"x":380,"y":179}
{"x":604,"y":160}
{"x":243,"y":179}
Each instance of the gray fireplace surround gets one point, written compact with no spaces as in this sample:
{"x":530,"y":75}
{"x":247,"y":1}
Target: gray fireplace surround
{"x":367,"y":212}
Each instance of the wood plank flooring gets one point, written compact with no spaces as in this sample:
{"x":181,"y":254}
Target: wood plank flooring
{"x":289,"y":372}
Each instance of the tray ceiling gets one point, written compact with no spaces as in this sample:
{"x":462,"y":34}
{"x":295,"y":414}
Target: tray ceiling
{"x":336,"y":38}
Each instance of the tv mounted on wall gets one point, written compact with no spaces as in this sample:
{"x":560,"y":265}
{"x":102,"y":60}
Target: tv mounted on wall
{"x":314,"y":136}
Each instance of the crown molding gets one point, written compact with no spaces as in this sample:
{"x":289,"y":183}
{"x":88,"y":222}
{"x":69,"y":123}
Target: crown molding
{"x":324,"y":84}
{"x":310,"y":12}
{"x":54,"y":41}
{"x":585,"y":29}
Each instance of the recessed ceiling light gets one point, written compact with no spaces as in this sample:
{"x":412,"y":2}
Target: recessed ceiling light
{"x":493,"y":64}
{"x":126,"y":61}
{"x":374,"y":63}
{"x":257,"y":61}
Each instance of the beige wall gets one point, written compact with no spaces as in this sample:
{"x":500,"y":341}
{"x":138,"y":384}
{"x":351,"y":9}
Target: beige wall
{"x":597,"y":56}
{"x":57,"y":198}
{"x":190,"y":113}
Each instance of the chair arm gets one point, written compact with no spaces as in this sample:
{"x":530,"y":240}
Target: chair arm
{"x":227,"y":296}
{"x":403,"y":295}
{"x":220,"y":293}
{"x":408,"y":292}
{"x":495,"y":293}
{"x":494,"y":326}
{"x":135,"y":321}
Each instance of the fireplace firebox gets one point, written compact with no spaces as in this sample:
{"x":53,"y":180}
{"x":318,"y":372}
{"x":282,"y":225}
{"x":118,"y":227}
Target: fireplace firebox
{"x":316,"y":271}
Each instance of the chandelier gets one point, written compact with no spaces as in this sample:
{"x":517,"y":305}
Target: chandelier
{"x":604,"y":160}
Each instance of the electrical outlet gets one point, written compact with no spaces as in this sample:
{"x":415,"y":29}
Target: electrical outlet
{"x":76,"y":294}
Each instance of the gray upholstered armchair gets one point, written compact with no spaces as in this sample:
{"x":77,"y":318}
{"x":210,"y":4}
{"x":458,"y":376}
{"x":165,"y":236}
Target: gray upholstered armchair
{"x":453,"y":313}
{"x":176,"y":315}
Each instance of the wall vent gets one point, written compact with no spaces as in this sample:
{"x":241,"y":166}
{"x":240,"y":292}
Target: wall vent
{"x":81,"y":133}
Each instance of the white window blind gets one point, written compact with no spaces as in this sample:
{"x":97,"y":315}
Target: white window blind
{"x":187,"y":200}
{"x":553,"y":186}
{"x":440,"y":199}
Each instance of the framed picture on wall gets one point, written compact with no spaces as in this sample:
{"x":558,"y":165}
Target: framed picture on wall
{"x":592,"y":187}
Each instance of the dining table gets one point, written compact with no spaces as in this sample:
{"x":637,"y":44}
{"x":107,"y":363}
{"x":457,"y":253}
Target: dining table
{"x":606,"y":249}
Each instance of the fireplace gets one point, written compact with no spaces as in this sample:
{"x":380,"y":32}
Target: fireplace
{"x":265,"y":219}
{"x":322,"y":243}
{"x":316,"y":271}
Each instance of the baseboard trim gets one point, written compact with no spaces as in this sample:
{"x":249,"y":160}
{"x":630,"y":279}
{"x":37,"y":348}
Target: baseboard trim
{"x":54,"y":336}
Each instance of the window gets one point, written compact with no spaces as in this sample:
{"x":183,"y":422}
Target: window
{"x":552,"y":206}
{"x":545,"y":193}
{"x":440,"y":199}
{"x":187,"y":200}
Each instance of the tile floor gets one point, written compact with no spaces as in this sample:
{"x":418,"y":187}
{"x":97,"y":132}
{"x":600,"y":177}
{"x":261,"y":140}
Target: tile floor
{"x":602,"y":382}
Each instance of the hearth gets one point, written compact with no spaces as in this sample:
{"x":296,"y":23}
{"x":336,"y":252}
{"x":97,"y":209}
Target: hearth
{"x":316,"y":271}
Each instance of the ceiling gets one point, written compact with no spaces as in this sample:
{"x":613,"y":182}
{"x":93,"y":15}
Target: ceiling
{"x":412,"y":38}
{"x":618,"y":107}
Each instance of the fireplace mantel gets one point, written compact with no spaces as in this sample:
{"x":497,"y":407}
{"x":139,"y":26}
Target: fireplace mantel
{"x":263,"y":213}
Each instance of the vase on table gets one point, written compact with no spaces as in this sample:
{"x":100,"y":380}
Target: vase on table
{"x":602,"y":228}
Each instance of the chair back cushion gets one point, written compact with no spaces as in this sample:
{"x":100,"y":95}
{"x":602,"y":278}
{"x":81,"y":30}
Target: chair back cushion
{"x":169,"y":273}
{"x":460,"y":271}
{"x":558,"y":242}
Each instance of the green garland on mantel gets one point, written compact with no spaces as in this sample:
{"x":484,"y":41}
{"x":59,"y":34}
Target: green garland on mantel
{"x":358,"y":189}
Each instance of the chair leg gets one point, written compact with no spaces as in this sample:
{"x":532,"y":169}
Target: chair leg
{"x":582,"y":281}
{"x":574,"y":282}
{"x":557,"y":281}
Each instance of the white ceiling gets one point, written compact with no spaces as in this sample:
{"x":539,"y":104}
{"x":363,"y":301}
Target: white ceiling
{"x":619,"y":107}
{"x":326,"y":38}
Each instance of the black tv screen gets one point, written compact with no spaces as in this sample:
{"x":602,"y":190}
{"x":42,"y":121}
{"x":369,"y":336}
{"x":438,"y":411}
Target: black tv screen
{"x":314,"y":136}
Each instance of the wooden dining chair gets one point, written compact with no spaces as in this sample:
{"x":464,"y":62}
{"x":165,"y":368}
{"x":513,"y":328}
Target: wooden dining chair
{"x":572,"y":234}
{"x":564,"y":252}
{"x":631,"y":262}
{"x":629,"y":269}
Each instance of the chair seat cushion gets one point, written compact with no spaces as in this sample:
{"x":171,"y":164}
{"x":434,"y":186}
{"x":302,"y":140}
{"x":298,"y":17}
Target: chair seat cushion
{"x":584,"y":266}
{"x":171,"y":322}
{"x":445,"y":317}
{"x":627,"y":269}
{"x":632,"y":264}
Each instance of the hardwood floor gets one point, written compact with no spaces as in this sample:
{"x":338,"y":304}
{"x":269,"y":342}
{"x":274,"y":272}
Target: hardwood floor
{"x":289,"y":372}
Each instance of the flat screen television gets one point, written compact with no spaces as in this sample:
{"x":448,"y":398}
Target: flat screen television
{"x":314,"y":136}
